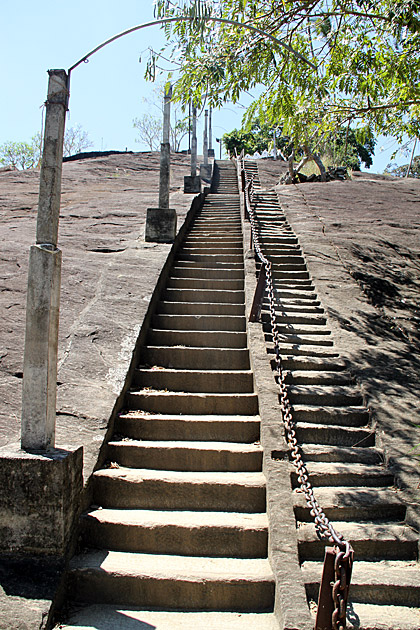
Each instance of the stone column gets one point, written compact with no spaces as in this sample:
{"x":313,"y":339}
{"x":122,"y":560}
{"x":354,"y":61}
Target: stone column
{"x":41,"y":485}
{"x":205,"y":169}
{"x":165,"y":152}
{"x":205,"y":138}
{"x":194,"y":142}
{"x":211,"y":150}
{"x":161,"y":221}
{"x":44,"y":276}
{"x":192,"y":183}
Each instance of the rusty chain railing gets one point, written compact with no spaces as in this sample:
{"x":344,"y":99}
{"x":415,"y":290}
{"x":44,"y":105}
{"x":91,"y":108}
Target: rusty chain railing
{"x":333,"y":595}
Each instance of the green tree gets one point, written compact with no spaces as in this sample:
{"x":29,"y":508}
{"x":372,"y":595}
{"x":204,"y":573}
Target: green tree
{"x":335,"y":62}
{"x":19,"y":155}
{"x":259,"y":137}
{"x":401,"y":171}
{"x":24,"y":155}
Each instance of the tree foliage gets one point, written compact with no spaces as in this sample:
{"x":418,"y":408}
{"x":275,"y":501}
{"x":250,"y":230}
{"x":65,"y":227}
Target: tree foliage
{"x":259,"y":137}
{"x":401,"y":171}
{"x":343,"y":148}
{"x":24,"y":155}
{"x":366,"y":55}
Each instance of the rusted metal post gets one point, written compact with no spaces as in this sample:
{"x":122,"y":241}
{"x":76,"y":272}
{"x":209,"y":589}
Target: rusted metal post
{"x":255,"y":312}
{"x":44,"y":278}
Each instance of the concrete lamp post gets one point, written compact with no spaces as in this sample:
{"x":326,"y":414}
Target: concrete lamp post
{"x":206,"y":168}
{"x":192,"y":183}
{"x":47,"y":480}
{"x":211,"y":150}
{"x":161,"y":221}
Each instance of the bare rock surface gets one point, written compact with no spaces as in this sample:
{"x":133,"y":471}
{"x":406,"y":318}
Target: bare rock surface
{"x":108,"y":276}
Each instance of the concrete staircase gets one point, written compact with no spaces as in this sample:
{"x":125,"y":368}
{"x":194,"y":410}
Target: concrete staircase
{"x":177,"y":537}
{"x":346,"y":469}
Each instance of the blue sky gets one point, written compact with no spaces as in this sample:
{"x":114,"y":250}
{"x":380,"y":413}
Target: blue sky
{"x":106,"y":93}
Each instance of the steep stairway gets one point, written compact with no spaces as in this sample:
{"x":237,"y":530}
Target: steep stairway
{"x":347,"y":470}
{"x":177,"y":537}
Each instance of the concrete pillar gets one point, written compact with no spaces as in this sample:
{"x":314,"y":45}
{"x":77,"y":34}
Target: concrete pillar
{"x":205,"y":138}
{"x":211,"y":150}
{"x":192,"y":183}
{"x":194,"y":142}
{"x":161,"y":222}
{"x":165,"y":152}
{"x":206,"y":168}
{"x":44,"y":277}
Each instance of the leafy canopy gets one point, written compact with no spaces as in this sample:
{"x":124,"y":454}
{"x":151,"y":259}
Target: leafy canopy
{"x":25,"y":155}
{"x":366,"y":54}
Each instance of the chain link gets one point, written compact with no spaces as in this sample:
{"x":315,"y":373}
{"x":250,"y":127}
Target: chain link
{"x":323,"y":526}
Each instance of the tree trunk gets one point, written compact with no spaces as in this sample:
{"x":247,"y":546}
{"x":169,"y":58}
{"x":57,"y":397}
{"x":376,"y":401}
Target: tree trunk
{"x":316,"y":158}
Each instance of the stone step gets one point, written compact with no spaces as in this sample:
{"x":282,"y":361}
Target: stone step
{"x":200,"y":308}
{"x":205,"y":283}
{"x":212,"y":259}
{"x":187,"y":402}
{"x":197,"y":338}
{"x":371,"y":617}
{"x":210,"y":264}
{"x":206,"y":273}
{"x":291,"y":318}
{"x":295,"y":340}
{"x":195,"y":358}
{"x":296,"y":304}
{"x":302,"y":329}
{"x":342,"y":474}
{"x":186,"y":455}
{"x":314,"y":377}
{"x":282,"y":275}
{"x":325,"y":395}
{"x":370,"y":541}
{"x":199,"y":322}
{"x":386,"y":582}
{"x":353,"y":504}
{"x":203,"y":381}
{"x":320,"y":351}
{"x":295,"y":290}
{"x":213,"y":241}
{"x":289,"y":307}
{"x":173,"y":582}
{"x":298,"y":294}
{"x":179,"y":490}
{"x":212,"y":534}
{"x":146,"y":426}
{"x":347,"y":454}
{"x":205,"y":248}
{"x":303,"y":363}
{"x":203,"y":295}
{"x":336,"y":436}
{"x":107,"y":617}
{"x":354,"y":416}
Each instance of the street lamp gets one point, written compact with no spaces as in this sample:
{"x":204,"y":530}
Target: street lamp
{"x":219,"y":140}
